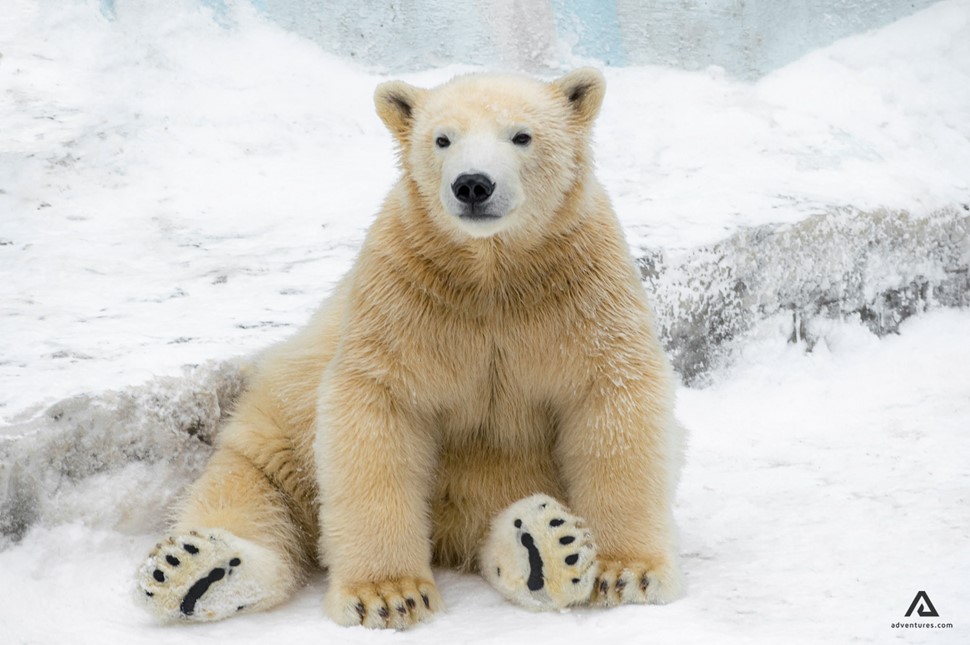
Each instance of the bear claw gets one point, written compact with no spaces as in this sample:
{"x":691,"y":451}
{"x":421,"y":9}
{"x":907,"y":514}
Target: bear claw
{"x":619,"y":583}
{"x":392,"y":604}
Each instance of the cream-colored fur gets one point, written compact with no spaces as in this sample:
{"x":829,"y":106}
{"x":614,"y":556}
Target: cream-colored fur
{"x":462,"y":365}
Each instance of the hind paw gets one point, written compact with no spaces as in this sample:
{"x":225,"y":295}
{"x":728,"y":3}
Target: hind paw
{"x":539,"y":555}
{"x":201,"y":577}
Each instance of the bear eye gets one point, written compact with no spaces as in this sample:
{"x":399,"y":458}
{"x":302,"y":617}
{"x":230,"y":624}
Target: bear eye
{"x":522,"y":139}
{"x":442,"y":142}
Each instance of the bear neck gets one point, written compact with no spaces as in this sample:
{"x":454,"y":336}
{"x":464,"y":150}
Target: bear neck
{"x":504,"y":272}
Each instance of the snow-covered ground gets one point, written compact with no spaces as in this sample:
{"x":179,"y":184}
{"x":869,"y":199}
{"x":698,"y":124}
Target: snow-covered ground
{"x":174,"y":191}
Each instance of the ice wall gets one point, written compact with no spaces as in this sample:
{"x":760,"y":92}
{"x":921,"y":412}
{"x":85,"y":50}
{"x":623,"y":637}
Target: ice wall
{"x":748,"y":38}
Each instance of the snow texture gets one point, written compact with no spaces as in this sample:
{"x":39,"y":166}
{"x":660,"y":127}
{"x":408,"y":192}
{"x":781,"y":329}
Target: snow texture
{"x":180,"y":190}
{"x":880,"y":268}
{"x":64,"y":465}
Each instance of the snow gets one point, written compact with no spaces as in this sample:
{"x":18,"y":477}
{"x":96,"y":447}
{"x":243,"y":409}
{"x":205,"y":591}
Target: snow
{"x":175,"y":191}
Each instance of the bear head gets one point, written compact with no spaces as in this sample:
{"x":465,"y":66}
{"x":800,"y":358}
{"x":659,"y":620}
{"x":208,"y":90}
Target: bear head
{"x":492,"y":154}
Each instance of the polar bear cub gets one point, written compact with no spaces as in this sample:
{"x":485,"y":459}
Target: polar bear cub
{"x":483,"y":390}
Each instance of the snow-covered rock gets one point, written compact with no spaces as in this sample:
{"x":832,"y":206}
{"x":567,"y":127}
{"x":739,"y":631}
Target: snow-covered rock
{"x":113,"y":459}
{"x":880,"y":267}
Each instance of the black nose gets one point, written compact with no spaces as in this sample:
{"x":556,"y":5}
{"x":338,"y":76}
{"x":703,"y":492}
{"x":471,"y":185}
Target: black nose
{"x":472,"y":189}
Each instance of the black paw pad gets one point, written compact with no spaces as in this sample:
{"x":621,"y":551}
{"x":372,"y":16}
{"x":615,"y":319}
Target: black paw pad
{"x":518,"y":524}
{"x":158,"y":575}
{"x":568,"y":539}
{"x":235,"y":562}
{"x":572,"y":559}
{"x":536,"y":580}
{"x":190,"y":548}
{"x":198,"y":589}
{"x":557,"y":522}
{"x":172,"y":560}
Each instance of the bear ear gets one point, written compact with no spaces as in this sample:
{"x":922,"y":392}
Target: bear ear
{"x":584,"y":88}
{"x":396,"y":103}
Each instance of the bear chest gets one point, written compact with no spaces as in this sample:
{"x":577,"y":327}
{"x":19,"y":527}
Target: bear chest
{"x":498,"y":382}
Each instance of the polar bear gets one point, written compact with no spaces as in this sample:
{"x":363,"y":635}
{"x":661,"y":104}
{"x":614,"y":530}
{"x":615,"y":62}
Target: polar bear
{"x":483,"y":390}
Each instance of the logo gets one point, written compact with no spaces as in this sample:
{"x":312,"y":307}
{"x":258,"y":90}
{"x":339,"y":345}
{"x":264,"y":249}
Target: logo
{"x":923,"y":606}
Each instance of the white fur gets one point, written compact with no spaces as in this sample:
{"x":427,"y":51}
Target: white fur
{"x":488,"y":151}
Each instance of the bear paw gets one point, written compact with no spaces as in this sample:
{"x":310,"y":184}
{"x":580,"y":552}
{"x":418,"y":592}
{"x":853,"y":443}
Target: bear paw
{"x":539,"y":555}
{"x":202,"y":577}
{"x":395,"y":604}
{"x":619,"y":583}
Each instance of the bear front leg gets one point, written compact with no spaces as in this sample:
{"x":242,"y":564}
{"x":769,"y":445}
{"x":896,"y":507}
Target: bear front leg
{"x":375,"y":465}
{"x":617,"y":452}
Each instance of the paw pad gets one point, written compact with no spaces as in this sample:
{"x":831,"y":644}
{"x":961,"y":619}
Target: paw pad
{"x":179,"y":580}
{"x":539,"y":555}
